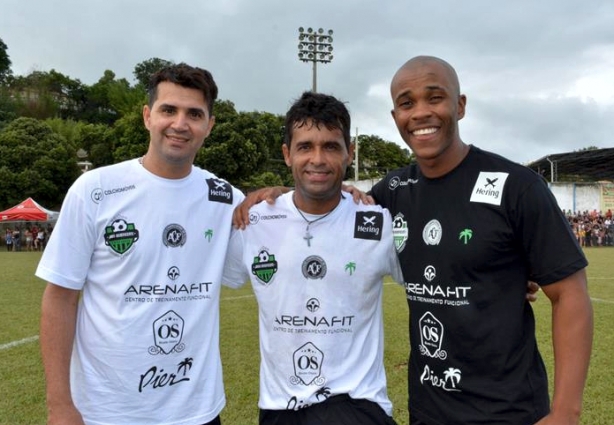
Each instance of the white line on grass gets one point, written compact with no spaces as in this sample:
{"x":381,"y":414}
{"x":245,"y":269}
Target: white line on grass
{"x":599,"y":300}
{"x":20,"y":342}
{"x":237,"y":298}
{"x":252,"y":296}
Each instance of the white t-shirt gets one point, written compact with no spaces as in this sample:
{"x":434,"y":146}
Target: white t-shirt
{"x":148,"y":255}
{"x":320,"y":300}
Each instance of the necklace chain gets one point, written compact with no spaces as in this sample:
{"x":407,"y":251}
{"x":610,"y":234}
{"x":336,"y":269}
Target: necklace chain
{"x":308,"y":236}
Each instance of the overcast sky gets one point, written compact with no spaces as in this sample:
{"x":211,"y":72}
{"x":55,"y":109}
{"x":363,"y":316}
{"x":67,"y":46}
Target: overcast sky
{"x":538,"y":74}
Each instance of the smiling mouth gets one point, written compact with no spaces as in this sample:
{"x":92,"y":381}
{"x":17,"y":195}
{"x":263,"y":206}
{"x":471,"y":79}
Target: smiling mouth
{"x":424,"y":131}
{"x":317,"y":174}
{"x":177,"y":138}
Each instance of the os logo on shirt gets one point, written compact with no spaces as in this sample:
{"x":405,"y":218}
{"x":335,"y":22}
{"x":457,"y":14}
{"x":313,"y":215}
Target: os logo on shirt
{"x":264,"y":266}
{"x":120,"y":235}
{"x":168,"y":331}
{"x":308,"y":361}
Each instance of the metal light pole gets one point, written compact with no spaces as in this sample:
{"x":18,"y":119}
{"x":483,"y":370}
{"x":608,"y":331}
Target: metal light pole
{"x":315,"y":47}
{"x":356,"y":156}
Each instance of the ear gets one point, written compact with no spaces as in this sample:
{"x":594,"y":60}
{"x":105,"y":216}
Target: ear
{"x":146,"y":116}
{"x":351,"y":149}
{"x":462,"y":103}
{"x":210,"y":125}
{"x":286,"y":152}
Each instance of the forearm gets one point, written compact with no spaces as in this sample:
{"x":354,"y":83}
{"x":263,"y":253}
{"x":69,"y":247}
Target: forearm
{"x":58,"y":321}
{"x":572,"y":334}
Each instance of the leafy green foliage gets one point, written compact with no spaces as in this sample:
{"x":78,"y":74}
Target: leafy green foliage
{"x":36,"y":162}
{"x":130,"y":136}
{"x":377,"y":156}
{"x":95,"y":139}
{"x":104,"y":123}
{"x":5,"y":63}
{"x":110,"y":98}
{"x":243,"y":146}
{"x":45,"y":94}
{"x":143,"y":70}
{"x":8,"y":107}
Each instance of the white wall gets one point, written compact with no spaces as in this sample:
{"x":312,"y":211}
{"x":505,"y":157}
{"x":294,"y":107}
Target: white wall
{"x":576,"y":197}
{"x":364,"y":185}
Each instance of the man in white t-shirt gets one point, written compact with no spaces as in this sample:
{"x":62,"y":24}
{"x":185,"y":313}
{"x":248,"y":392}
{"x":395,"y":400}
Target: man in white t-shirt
{"x":130,"y":316}
{"x":317,"y":260}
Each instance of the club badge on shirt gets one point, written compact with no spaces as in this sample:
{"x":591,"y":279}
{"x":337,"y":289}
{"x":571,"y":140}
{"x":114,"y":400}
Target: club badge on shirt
{"x":264,"y":266}
{"x":488,"y":188}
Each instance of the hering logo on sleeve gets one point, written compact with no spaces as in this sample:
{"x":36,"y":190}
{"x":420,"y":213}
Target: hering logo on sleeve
{"x":219,"y":191}
{"x":368,"y":225}
{"x":488,"y":188}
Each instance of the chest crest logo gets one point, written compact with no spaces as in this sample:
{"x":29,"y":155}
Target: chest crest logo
{"x":264,"y":266}
{"x":120,"y":235}
{"x":314,"y":267}
{"x":432,"y":232}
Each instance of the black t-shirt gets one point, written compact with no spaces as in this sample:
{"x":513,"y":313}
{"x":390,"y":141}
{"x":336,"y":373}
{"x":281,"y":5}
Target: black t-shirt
{"x":468,"y":242}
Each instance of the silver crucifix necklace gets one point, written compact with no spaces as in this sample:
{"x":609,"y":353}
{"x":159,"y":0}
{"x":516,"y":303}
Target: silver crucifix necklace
{"x":308,"y":236}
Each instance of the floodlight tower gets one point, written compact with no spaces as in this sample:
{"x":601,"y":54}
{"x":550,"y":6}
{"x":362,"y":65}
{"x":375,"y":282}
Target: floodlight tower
{"x":315,"y":46}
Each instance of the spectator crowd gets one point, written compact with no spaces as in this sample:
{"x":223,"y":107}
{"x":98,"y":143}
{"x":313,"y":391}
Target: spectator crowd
{"x":592,"y":228}
{"x":29,"y":238}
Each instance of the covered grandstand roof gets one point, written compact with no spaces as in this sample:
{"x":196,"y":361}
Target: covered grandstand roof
{"x":581,"y":166}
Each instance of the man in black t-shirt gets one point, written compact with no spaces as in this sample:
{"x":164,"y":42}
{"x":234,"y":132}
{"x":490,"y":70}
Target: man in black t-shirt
{"x":471,"y":228}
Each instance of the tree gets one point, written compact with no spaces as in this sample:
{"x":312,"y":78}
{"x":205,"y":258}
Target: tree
{"x":377,"y":156}
{"x":105,"y":98}
{"x":94,"y":139}
{"x":144,"y":70}
{"x":8,"y":107}
{"x":129,"y":136}
{"x":47,"y":94}
{"x":97,"y":141}
{"x":242,"y":146}
{"x":5,"y":63}
{"x":36,"y":162}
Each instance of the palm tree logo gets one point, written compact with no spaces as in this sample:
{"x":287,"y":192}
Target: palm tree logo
{"x":465,"y":235}
{"x":350,"y":267}
{"x":323,"y":392}
{"x":453,"y":375}
{"x":186,"y":365}
{"x":209,"y":234}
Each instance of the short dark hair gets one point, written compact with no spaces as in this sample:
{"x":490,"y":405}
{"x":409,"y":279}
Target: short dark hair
{"x":185,"y":76}
{"x":318,"y":109}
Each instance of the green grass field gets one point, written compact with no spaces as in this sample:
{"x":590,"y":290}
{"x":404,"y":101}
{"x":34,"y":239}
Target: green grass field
{"x":22,"y":398}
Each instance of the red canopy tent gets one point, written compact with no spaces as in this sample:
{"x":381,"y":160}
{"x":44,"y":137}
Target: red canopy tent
{"x":28,"y":210}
